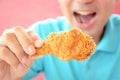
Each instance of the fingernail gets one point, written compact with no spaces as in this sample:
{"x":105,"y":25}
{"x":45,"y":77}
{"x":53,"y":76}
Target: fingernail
{"x":31,"y":49}
{"x":24,"y":59}
{"x":38,"y":43}
{"x":20,"y":67}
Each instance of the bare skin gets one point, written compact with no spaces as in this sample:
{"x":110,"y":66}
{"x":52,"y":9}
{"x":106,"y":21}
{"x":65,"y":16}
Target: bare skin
{"x":74,"y":10}
{"x":15,"y":46}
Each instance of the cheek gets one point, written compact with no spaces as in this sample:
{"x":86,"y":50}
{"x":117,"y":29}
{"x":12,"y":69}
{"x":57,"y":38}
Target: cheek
{"x":106,"y":8}
{"x":65,"y":6}
{"x":64,"y":2}
{"x":108,"y":5}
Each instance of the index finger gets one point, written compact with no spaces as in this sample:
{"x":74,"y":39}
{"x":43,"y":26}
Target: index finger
{"x":25,"y":40}
{"x":38,"y":42}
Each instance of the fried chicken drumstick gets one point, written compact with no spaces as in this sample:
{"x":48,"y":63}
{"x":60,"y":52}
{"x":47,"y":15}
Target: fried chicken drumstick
{"x":67,"y":45}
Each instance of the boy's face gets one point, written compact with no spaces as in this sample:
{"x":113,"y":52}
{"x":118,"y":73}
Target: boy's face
{"x":88,"y":15}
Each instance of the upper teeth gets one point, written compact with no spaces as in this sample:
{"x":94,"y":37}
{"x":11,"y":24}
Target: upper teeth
{"x":85,"y":13}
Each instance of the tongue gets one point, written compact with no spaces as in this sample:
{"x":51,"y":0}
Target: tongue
{"x":86,"y":18}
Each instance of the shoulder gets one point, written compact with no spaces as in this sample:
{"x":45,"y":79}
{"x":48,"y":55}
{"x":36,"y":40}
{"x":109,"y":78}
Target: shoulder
{"x":43,"y":28}
{"x":114,"y":20}
{"x":50,"y":22}
{"x":115,"y":16}
{"x":113,"y":27}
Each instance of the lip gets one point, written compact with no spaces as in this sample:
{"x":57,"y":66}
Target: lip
{"x":87,"y":25}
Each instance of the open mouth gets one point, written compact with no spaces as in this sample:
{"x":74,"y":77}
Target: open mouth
{"x":84,"y":17}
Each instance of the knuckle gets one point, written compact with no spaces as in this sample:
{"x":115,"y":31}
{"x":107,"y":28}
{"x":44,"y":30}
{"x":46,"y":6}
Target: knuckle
{"x":7,"y":34}
{"x":15,"y":62}
{"x":32,"y":34}
{"x":26,"y":42}
{"x":20,"y":54}
{"x":17,"y":28}
{"x":4,"y":54}
{"x":3,"y":50}
{"x":29,"y":32}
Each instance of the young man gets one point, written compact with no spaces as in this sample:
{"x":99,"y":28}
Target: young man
{"x":92,"y":17}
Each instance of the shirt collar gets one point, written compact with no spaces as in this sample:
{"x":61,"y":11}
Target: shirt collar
{"x":109,"y":41}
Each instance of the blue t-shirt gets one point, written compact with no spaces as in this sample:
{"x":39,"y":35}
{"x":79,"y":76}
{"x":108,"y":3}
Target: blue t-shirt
{"x":104,"y":64}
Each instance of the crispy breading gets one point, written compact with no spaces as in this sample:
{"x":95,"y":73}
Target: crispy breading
{"x":67,"y":45}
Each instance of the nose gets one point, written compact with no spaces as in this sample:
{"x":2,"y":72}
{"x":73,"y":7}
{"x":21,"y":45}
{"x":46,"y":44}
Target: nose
{"x":85,"y":1}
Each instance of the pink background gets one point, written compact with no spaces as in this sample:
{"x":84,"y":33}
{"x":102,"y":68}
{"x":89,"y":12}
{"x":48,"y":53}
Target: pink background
{"x":26,"y":12}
